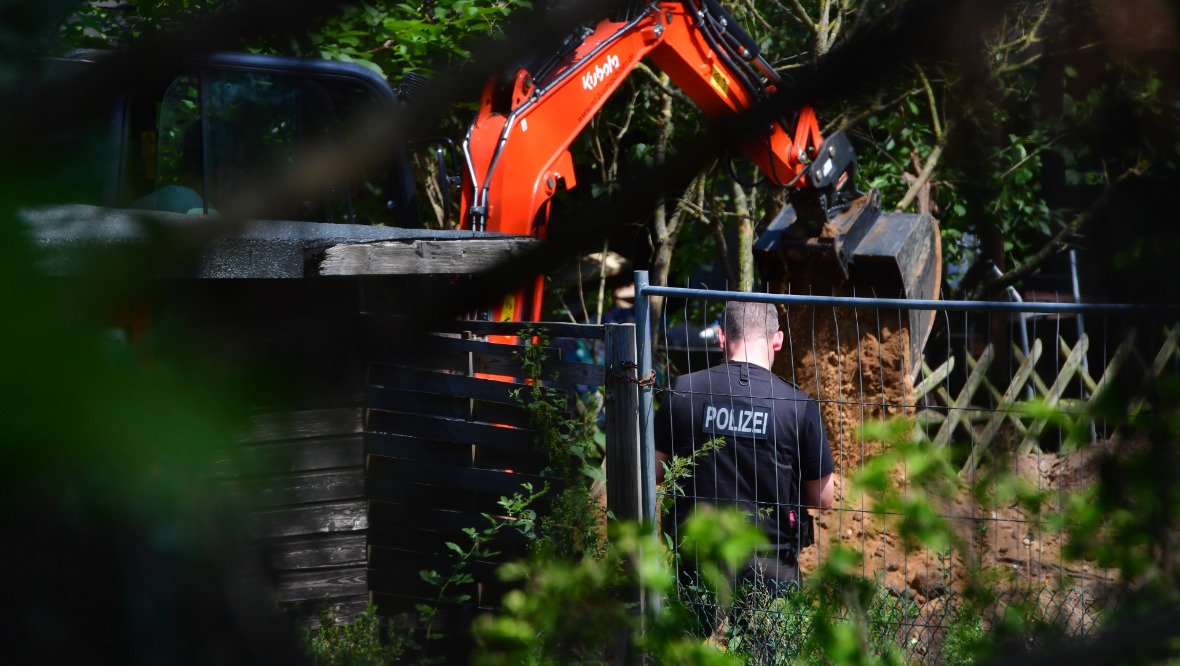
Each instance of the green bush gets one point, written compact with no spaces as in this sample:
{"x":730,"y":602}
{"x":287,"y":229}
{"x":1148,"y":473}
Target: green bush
{"x":356,"y":644}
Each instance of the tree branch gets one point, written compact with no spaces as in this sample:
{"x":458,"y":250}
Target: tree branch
{"x":662,"y":83}
{"x":1059,"y":241}
{"x":795,"y":8}
{"x":923,"y":177}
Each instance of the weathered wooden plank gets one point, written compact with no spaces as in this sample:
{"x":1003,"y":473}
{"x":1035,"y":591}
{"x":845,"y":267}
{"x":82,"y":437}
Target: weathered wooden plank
{"x":1157,"y":367}
{"x":1002,"y":411}
{"x":986,"y":383}
{"x":317,"y":551}
{"x":491,"y":589}
{"x":1029,"y":444}
{"x":396,"y":326}
{"x":409,"y":401}
{"x":933,"y":416}
{"x":430,"y":544}
{"x":299,"y":488}
{"x":1038,"y":384}
{"x":409,"y":586}
{"x":422,"y":257}
{"x":284,"y":331}
{"x":459,"y":432}
{"x":964,"y":398}
{"x":393,"y":377}
{"x":313,"y":584}
{"x":1083,"y":372}
{"x":934,"y":378}
{"x":388,"y":515}
{"x":293,"y":456}
{"x":443,"y":476}
{"x":342,"y":516}
{"x":394,"y":560}
{"x":1121,"y":353}
{"x":939,"y":390}
{"x":306,"y":423}
{"x":344,"y":610}
{"x":442,"y":499}
{"x":454,"y":454}
{"x":414,"y":448}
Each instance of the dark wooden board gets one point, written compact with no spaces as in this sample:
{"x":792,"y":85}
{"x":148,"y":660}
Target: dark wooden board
{"x":475,"y":388}
{"x":395,"y":516}
{"x":530,"y":463}
{"x":299,"y":488}
{"x":414,"y":448}
{"x":442,"y":476}
{"x":395,"y":561}
{"x":321,"y":582}
{"x":459,"y":432}
{"x":293,"y":456}
{"x":345,"y":609}
{"x":316,"y":551}
{"x":445,"y":499}
{"x":300,"y":424}
{"x":432,"y":546}
{"x":341,"y":516}
{"x":409,"y":401}
{"x":409,"y":584}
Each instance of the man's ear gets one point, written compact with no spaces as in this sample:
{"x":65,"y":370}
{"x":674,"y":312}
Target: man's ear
{"x":776,"y":341}
{"x":721,"y":337}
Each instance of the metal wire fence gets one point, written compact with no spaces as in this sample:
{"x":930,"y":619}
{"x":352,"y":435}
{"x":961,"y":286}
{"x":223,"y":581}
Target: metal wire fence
{"x":1007,"y":392}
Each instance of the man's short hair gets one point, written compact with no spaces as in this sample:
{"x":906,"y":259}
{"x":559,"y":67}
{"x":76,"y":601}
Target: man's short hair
{"x":744,"y":319}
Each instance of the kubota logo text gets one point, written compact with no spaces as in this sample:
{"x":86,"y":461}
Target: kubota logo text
{"x":590,"y":80}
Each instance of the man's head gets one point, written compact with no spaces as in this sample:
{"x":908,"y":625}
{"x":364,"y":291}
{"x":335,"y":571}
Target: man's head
{"x":750,"y":332}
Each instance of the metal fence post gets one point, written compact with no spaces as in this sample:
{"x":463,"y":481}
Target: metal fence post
{"x":624,"y":487}
{"x":647,"y":429}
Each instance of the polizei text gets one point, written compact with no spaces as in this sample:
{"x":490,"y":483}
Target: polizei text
{"x":736,"y":420}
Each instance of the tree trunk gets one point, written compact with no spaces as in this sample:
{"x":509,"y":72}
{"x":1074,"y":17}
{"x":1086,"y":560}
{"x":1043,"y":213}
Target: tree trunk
{"x":745,"y":238}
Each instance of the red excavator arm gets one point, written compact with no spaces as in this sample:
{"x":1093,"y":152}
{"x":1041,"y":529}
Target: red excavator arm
{"x":518,"y":155}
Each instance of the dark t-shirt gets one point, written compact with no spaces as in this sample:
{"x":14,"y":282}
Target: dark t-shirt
{"x":774,"y":440}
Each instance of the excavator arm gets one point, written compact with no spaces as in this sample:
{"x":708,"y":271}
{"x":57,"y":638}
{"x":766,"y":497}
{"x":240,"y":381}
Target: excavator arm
{"x":517,"y":149}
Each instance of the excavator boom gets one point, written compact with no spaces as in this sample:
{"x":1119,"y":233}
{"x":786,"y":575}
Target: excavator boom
{"x":518,"y":147}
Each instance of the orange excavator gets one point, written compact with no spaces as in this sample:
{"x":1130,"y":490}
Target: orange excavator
{"x":518,"y":157}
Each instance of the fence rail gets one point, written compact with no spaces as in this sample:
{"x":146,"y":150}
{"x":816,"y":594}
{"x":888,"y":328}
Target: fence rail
{"x":448,"y":433}
{"x":1002,"y":387}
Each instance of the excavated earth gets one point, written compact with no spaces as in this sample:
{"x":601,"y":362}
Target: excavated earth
{"x":854,"y":363}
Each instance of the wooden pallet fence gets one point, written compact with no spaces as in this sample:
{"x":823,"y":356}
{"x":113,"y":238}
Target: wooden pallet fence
{"x":300,"y":477}
{"x":447,"y":435}
{"x":945,"y":418}
{"x":1003,"y":411}
{"x":297,"y":463}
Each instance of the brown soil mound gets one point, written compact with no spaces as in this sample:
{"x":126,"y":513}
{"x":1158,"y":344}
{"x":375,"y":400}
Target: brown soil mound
{"x":854,"y":363}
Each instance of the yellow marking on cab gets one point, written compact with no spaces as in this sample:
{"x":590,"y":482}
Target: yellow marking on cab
{"x":719,"y":80}
{"x":508,"y":309}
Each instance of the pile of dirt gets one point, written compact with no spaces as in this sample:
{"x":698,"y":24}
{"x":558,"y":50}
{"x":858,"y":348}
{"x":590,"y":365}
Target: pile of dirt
{"x":854,"y":363}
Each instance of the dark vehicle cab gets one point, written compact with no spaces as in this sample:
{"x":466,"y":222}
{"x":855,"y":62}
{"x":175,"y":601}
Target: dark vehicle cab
{"x":185,"y":142}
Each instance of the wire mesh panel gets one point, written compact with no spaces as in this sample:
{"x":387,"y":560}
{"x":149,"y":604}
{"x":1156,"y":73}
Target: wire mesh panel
{"x":950,"y":472}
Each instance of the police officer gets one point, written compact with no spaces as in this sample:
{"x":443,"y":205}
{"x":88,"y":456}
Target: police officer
{"x":775,"y":459}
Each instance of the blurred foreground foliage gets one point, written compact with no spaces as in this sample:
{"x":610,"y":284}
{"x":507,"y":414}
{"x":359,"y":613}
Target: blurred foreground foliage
{"x":119,"y":548}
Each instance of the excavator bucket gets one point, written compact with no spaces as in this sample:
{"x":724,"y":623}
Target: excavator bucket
{"x":861,"y":252}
